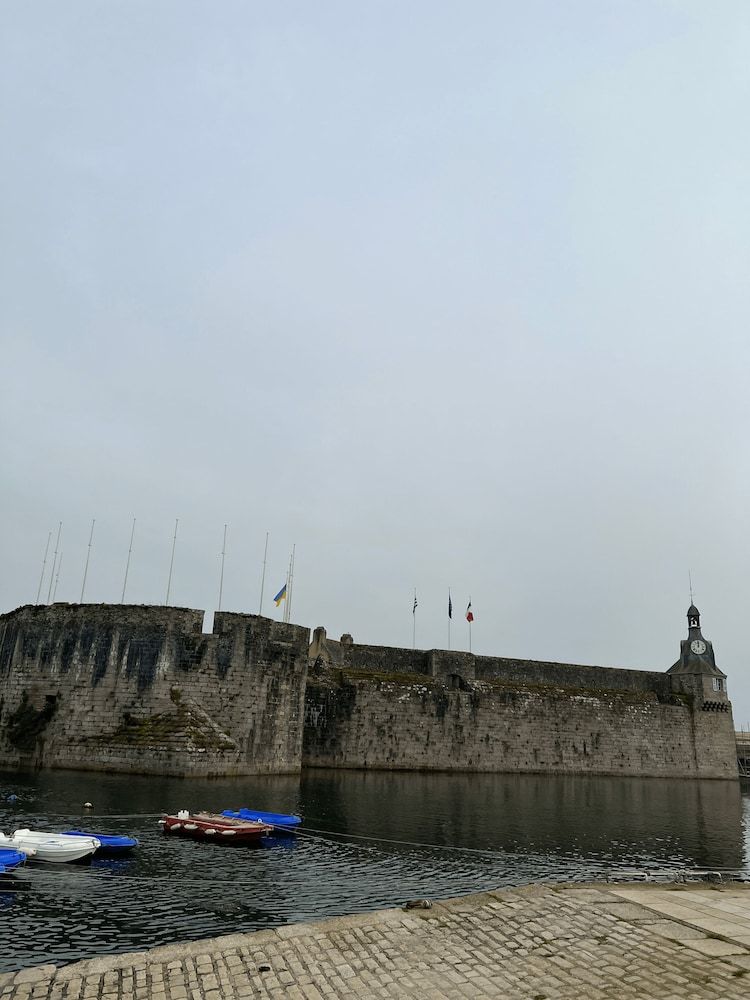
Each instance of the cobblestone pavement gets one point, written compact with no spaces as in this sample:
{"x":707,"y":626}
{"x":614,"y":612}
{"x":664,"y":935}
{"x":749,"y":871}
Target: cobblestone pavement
{"x":541,"y":943}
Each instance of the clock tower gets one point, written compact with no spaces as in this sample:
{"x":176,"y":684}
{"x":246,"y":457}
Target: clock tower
{"x":696,"y":672}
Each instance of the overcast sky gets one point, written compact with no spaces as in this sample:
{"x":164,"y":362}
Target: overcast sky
{"x":447,"y":294}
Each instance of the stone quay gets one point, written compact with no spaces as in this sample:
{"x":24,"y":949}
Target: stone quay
{"x":673,"y":942}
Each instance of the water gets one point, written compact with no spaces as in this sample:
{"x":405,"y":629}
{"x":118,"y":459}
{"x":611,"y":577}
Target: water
{"x":409,"y":836}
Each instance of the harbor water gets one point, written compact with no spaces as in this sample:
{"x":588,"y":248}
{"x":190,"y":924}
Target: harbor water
{"x":369,"y":840}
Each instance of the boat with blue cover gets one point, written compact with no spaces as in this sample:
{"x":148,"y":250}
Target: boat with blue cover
{"x":281,"y":822}
{"x":109,"y":843}
{"x":10,"y":859}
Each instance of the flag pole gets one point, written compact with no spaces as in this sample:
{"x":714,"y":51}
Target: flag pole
{"x":470,"y":621}
{"x":44,"y":566}
{"x":221,"y":578}
{"x":57,"y":577}
{"x":450,"y":613}
{"x":263,"y":577}
{"x":127,"y":564}
{"x":88,"y":556}
{"x":54,"y":560}
{"x":291,"y":584}
{"x":171,"y":561}
{"x":414,"y":622}
{"x":285,"y":616}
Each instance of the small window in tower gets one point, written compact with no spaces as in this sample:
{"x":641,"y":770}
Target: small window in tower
{"x":718,"y":684}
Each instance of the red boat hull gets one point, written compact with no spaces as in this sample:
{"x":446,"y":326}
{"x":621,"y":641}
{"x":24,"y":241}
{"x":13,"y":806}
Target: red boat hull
{"x":219,"y":829}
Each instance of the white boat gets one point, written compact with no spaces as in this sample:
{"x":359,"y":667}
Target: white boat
{"x":56,"y":847}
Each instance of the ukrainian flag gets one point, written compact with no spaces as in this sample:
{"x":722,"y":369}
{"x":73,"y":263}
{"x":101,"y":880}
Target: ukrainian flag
{"x":281,"y":596}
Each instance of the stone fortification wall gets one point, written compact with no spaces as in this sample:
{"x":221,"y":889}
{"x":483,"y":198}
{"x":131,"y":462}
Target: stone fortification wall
{"x":571,"y":675}
{"x":356,"y":656}
{"x":447,"y":664}
{"x":452,"y":711}
{"x":143,"y":689}
{"x":137,"y":688}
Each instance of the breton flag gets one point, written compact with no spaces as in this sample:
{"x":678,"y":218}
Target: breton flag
{"x":450,"y":605}
{"x":281,"y":596}
{"x":469,"y":614}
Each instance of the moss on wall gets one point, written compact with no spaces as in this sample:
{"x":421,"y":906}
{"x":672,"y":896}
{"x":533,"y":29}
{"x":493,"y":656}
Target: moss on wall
{"x":165,"y":727}
{"x":27,"y":724}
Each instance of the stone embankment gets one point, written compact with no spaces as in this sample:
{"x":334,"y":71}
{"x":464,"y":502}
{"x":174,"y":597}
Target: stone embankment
{"x":545,"y":943}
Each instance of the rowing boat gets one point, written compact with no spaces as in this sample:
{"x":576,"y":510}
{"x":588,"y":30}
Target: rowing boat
{"x":281,"y":822}
{"x":212,"y":826}
{"x":109,"y":843}
{"x":10,"y":859}
{"x":42,"y":846}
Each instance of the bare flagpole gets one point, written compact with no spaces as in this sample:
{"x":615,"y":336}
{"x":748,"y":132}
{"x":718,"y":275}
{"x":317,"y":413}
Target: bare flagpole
{"x":57,"y":577}
{"x":291,"y":584}
{"x":88,"y":556}
{"x":171,"y":561}
{"x":54,"y":560}
{"x":221,"y":579}
{"x":44,"y":566}
{"x":127,"y":564}
{"x":263,"y":577}
{"x":286,"y":591}
{"x":414,"y":622}
{"x":287,"y":602}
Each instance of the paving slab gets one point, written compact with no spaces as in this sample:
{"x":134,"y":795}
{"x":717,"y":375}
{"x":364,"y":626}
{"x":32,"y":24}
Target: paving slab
{"x":713,"y":946}
{"x":543,"y":942}
{"x":675,"y":930}
{"x":707,"y":909}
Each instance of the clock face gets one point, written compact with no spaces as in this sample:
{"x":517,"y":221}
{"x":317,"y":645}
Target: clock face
{"x":698,"y":646}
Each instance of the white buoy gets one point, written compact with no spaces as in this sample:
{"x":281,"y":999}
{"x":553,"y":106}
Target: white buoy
{"x":87,"y":805}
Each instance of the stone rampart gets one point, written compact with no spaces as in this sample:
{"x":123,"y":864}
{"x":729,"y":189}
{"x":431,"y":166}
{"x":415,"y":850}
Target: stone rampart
{"x":377,"y":707}
{"x":142,"y":689}
{"x":135,"y":688}
{"x":447,"y":664}
{"x":571,"y":675}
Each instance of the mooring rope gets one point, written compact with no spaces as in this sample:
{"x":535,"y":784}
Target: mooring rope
{"x":315,"y":834}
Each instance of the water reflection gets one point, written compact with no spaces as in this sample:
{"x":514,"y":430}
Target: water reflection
{"x":595,"y":817}
{"x":406,"y":835}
